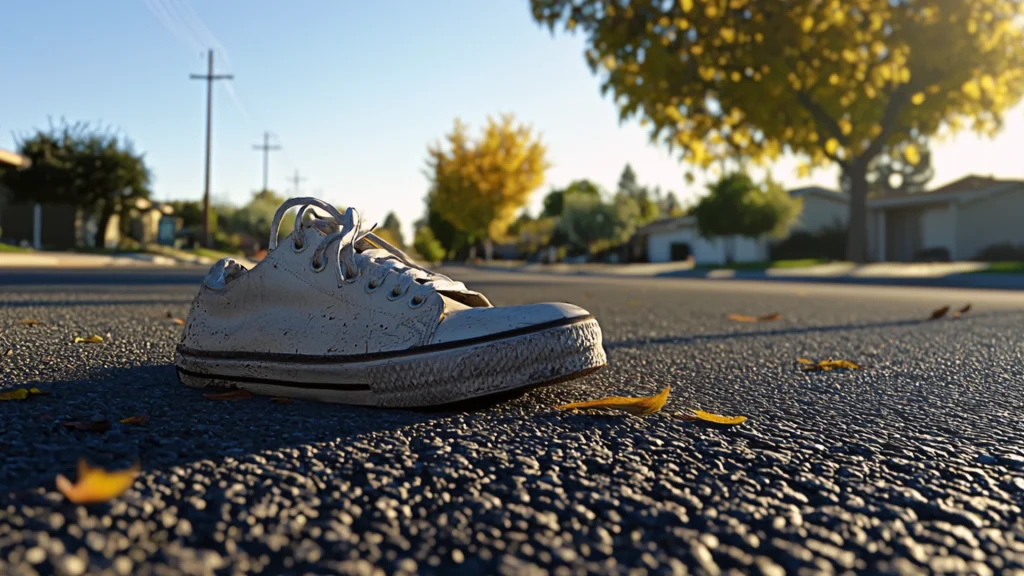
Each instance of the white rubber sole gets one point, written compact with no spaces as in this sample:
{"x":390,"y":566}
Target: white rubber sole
{"x":430,"y":376}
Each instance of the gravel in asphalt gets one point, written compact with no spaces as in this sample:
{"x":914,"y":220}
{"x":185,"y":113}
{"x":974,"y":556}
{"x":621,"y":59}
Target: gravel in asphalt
{"x":913,"y":465}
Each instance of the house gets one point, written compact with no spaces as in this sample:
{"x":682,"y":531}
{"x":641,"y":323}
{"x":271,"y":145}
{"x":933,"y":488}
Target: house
{"x":672,"y":239}
{"x":954,"y":222}
{"x":957,"y":221}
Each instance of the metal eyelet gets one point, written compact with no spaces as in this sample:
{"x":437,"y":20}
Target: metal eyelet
{"x":395,"y":294}
{"x":417,"y":301}
{"x":371,"y":286}
{"x":323,"y":264}
{"x":298,"y":248}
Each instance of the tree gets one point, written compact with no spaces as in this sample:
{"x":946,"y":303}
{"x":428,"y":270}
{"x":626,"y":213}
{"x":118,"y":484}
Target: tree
{"x":648,"y":210}
{"x":833,"y":81}
{"x":890,"y":172}
{"x":94,"y":169}
{"x":191,"y":214}
{"x":394,"y":230}
{"x":735,"y":206}
{"x":554,"y":202}
{"x":478,"y":185}
{"x":255,"y":218}
{"x":669,"y":204}
{"x":427,"y":246}
{"x":586,"y":220}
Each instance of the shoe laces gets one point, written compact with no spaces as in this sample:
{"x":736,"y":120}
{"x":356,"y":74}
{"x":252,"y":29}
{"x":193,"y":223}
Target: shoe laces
{"x":357,"y":249}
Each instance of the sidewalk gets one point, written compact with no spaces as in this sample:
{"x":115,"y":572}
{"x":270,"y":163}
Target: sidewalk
{"x":947,"y":275}
{"x":76,"y":260}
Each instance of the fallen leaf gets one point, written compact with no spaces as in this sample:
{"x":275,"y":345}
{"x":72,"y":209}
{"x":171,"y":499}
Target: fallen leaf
{"x":964,"y":310}
{"x":30,"y":322}
{"x":89,"y":339}
{"x":9,"y":352}
{"x":703,"y":416}
{"x":281,"y":400}
{"x":97,"y":426}
{"x":96,"y":485}
{"x":233,"y":395}
{"x":636,"y":406}
{"x":751,"y":319}
{"x":135,"y":420}
{"x":827,"y":365}
{"x":178,"y":321}
{"x":18,"y":394}
{"x":939,"y":313}
{"x":805,"y":361}
{"x":37,"y":392}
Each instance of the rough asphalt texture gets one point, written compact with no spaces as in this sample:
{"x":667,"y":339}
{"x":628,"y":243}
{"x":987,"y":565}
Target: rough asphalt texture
{"x":915,"y":464}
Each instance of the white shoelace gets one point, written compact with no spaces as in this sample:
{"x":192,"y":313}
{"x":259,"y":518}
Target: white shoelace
{"x":351,"y":262}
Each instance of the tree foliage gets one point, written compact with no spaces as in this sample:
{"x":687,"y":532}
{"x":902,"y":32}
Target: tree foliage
{"x":392,"y":230}
{"x":890,"y":172}
{"x":479,"y":184}
{"x":646,"y":205}
{"x":736,"y":206}
{"x":95,"y":169}
{"x":834,"y":81}
{"x":554,"y":202}
{"x":427,"y":246}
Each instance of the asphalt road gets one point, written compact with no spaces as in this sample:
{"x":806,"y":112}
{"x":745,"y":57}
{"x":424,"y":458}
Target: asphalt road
{"x":915,"y":464}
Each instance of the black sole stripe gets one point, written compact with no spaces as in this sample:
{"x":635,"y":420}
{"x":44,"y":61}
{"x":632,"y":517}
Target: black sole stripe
{"x":373,"y":356}
{"x":252,"y":380}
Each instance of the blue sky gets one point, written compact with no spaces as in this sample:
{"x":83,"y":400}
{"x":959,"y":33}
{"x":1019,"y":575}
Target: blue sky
{"x":353,"y":90}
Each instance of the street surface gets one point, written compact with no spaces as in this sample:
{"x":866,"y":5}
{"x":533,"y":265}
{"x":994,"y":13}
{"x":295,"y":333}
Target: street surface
{"x":915,"y":464}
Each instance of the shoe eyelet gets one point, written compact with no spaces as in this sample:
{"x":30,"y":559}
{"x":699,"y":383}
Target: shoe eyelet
{"x":323,"y":265}
{"x":371,"y":286}
{"x":417,"y":301}
{"x":395,"y":294}
{"x":298,"y":248}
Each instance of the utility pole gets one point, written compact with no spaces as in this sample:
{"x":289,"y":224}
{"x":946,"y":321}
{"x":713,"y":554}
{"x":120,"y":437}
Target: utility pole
{"x":209,"y":77}
{"x":266,"y":148}
{"x":295,"y":182}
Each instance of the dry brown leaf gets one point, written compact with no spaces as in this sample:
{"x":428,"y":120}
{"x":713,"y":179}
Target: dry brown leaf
{"x":232,"y":395}
{"x":94,"y":339}
{"x":281,"y":400}
{"x":9,"y":352}
{"x":17,"y":394}
{"x":178,"y":321}
{"x":742,"y":318}
{"x":770,"y":317}
{"x":636,"y":406}
{"x":939,"y":313}
{"x":96,"y":485}
{"x":828,"y":365}
{"x":97,"y":426}
{"x":30,"y":322}
{"x":964,"y":310}
{"x":693,"y":414}
{"x":135,"y":420}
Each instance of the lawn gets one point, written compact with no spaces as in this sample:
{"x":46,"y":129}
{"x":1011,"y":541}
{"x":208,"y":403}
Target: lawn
{"x":13,"y":248}
{"x":1009,"y":267}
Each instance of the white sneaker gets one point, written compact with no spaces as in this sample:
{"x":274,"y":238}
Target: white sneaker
{"x":340,"y":315}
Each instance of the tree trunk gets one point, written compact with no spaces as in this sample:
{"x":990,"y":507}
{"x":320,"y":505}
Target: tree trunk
{"x":857,"y":227}
{"x":101,"y":225}
{"x":488,"y":249}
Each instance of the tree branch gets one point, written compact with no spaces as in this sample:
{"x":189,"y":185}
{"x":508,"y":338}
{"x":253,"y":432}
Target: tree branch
{"x":821,"y":116}
{"x":897,"y":99}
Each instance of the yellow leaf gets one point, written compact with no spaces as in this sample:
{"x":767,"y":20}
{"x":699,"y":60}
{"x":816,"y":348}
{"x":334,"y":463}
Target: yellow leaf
{"x":833,"y":79}
{"x":636,"y":406}
{"x":971,"y":89}
{"x":686,"y":5}
{"x":178,"y":321}
{"x":96,"y":485}
{"x":29,"y":322}
{"x":716,"y":418}
{"x":832,"y":146}
{"x":135,"y":420}
{"x":33,"y":391}
{"x":89,"y":339}
{"x":19,"y":394}
{"x":917,"y":99}
{"x":807,"y":24}
{"x":805,"y":360}
{"x":827,"y":365}
{"x":845,"y":126}
{"x":912,"y":155}
{"x":728,"y":34}
{"x":742,"y":318}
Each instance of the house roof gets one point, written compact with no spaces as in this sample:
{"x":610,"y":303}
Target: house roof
{"x":14,"y":159}
{"x":966,"y":189}
{"x":827,"y":193}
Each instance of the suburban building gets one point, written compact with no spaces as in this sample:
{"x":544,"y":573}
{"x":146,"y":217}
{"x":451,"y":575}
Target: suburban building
{"x":956,"y":221}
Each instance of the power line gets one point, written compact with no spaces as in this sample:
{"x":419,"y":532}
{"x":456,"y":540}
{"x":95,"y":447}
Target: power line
{"x":209,"y":77}
{"x":266,"y":148}
{"x":295,"y":180}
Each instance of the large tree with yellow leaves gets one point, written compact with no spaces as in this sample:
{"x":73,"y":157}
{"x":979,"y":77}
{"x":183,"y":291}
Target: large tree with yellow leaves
{"x":833,"y":81}
{"x":479,"y":184}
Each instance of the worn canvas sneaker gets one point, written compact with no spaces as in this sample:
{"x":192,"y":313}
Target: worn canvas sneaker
{"x":337,"y":314}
